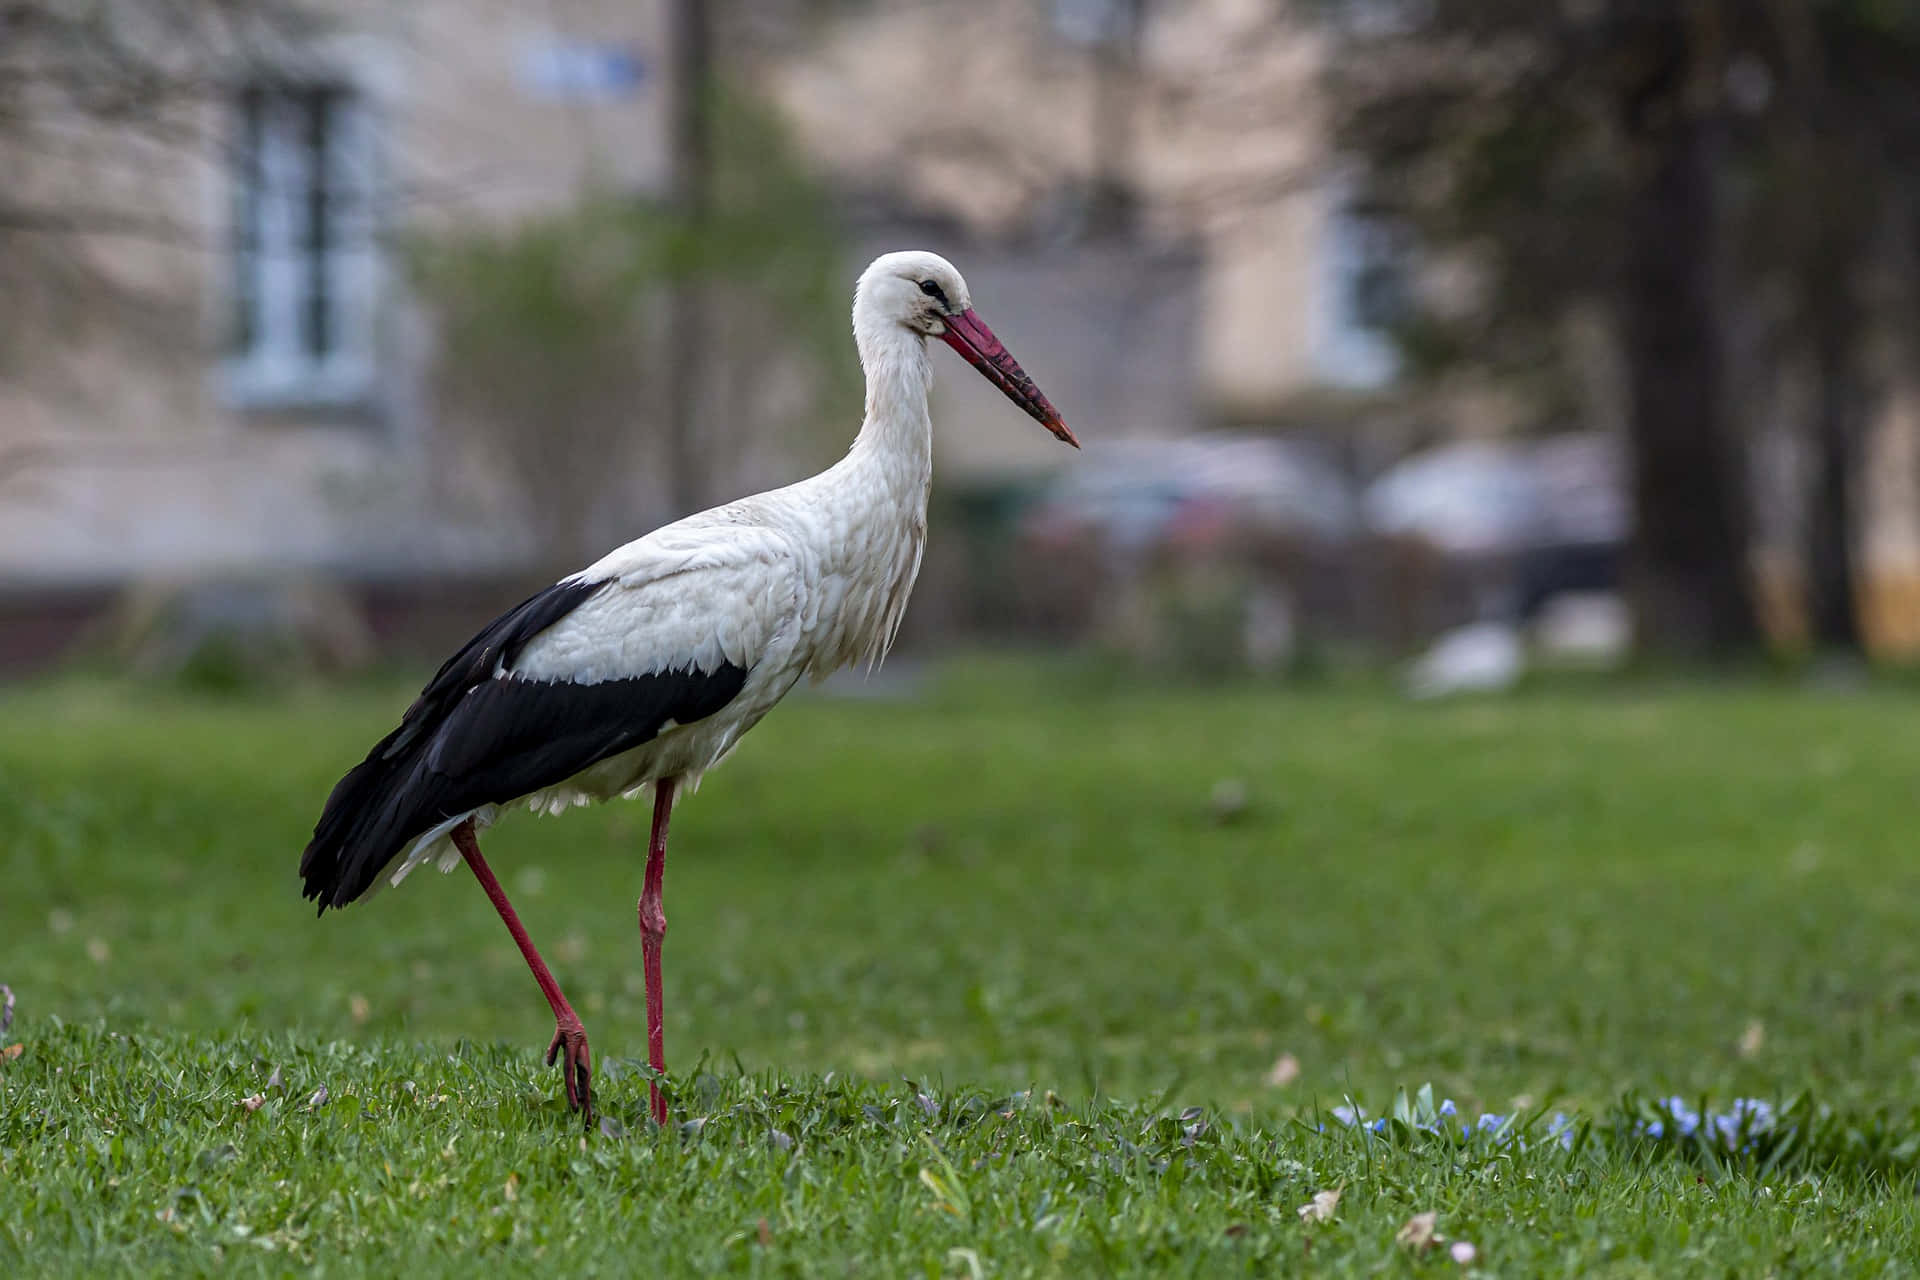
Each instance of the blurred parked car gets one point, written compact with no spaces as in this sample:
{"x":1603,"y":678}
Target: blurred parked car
{"x":1476,"y":498}
{"x":1223,"y":550}
{"x":1586,"y":519}
{"x":1207,"y":551}
{"x":1530,"y":520}
{"x":1526,"y":538}
{"x":1134,"y":494}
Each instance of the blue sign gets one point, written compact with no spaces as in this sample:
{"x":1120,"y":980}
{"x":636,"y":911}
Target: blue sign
{"x":564,"y":71}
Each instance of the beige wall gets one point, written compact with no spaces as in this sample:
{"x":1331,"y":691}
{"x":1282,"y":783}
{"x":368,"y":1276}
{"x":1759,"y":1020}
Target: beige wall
{"x":468,"y":138}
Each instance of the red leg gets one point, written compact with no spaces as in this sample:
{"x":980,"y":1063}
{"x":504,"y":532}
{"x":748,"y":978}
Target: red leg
{"x":568,"y":1035}
{"x":653,"y":930}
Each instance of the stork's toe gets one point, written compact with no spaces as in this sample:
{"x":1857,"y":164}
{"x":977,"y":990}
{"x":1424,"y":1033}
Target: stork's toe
{"x":569,"y":1048}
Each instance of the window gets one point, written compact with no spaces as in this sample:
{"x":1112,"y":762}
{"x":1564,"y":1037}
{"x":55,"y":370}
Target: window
{"x":304,"y":265}
{"x":1363,"y":296}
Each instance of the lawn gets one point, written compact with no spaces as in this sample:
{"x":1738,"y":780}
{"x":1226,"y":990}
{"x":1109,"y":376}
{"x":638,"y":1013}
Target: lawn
{"x":1002,"y":980}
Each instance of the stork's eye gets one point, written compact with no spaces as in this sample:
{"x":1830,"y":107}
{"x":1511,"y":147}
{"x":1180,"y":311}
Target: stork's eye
{"x":933,"y":290}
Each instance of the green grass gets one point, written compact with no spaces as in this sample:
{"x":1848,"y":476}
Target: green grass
{"x":946,"y":978}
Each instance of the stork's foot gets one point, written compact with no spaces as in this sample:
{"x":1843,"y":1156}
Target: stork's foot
{"x":569,"y":1047}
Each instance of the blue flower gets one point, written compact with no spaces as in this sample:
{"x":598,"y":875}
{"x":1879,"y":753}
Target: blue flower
{"x":1737,"y":1127}
{"x":1745,"y":1118}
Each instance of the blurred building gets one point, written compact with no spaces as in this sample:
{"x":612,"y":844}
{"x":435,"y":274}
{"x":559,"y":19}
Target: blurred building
{"x":274,"y":415}
{"x":273,"y":412}
{"x":1059,"y":125}
{"x":1141,"y":195}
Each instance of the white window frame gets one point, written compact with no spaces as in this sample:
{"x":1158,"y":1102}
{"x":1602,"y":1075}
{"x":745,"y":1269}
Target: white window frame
{"x":271,"y":265}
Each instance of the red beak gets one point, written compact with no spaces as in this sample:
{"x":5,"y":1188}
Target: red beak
{"x":968,"y":334}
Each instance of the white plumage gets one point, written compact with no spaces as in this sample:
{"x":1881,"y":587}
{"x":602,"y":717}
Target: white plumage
{"x":646,"y":667}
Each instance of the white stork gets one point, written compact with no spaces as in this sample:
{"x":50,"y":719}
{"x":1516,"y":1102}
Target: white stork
{"x":644,"y":669}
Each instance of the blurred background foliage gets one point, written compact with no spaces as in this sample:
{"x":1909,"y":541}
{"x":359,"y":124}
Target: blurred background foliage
{"x":553,"y":330}
{"x":1728,"y":186}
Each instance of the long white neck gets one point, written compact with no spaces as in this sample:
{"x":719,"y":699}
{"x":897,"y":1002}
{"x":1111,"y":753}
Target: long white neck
{"x":870,"y":508}
{"x":894,"y":449}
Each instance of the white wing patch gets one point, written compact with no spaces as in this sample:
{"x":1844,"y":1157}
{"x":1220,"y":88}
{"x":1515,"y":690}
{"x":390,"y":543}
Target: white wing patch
{"x":692,"y":594}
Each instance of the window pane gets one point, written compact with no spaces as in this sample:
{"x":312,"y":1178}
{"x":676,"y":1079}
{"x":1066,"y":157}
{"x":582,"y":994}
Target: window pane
{"x":317,"y":108}
{"x":246,"y":218}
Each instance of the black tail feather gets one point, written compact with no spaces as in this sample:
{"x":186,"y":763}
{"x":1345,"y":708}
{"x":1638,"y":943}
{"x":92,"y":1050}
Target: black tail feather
{"x":366,"y":822}
{"x":362,"y":827}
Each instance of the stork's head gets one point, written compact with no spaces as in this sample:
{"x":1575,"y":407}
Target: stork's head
{"x":923,"y":293}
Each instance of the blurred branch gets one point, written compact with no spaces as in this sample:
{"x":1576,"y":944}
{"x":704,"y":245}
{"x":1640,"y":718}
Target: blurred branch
{"x":96,"y":102}
{"x":687,"y":329}
{"x":1221,"y":197}
{"x":17,"y":460}
{"x":82,"y":222}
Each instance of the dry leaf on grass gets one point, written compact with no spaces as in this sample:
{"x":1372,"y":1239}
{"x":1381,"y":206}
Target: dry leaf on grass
{"x":1418,"y":1233}
{"x":1286,"y":1069}
{"x":1321,"y":1207}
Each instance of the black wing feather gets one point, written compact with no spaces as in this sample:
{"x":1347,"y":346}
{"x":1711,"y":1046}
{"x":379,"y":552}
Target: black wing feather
{"x":498,"y":644}
{"x":471,"y":739}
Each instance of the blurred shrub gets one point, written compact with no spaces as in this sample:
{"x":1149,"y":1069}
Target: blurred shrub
{"x":554,"y":355}
{"x":231,"y":635}
{"x":1239,"y":600}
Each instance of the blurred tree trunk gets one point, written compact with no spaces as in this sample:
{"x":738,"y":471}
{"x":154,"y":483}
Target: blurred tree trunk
{"x":1687,"y":574}
{"x":687,"y":329}
{"x":1903,"y":243}
{"x":1831,"y":199}
{"x":1113,"y":204}
{"x":1836,"y":328}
